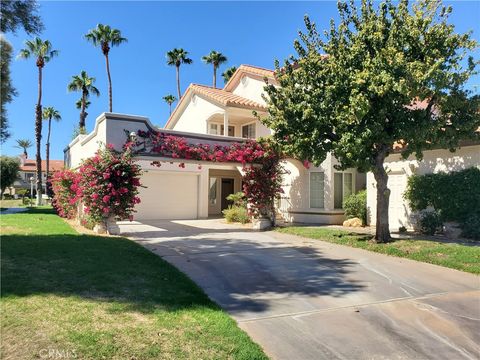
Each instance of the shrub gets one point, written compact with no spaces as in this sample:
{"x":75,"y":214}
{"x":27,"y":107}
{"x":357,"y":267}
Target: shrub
{"x":238,"y":199}
{"x":430,"y":223}
{"x":355,"y":205}
{"x":236,"y":214}
{"x":65,"y":186}
{"x":454,"y":196}
{"x":402,"y":229}
{"x":471,"y":227}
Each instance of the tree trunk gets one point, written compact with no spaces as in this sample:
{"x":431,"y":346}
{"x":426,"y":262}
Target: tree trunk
{"x":178,"y":83}
{"x":382,"y":233}
{"x":38,"y":137}
{"x":81,"y":124}
{"x":170,"y":105}
{"x":47,"y":155}
{"x":214,"y":77}
{"x":109,"y":83}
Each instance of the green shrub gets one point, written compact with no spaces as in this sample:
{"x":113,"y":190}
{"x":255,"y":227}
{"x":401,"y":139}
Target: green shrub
{"x":454,"y":196}
{"x":236,"y":214}
{"x":471,"y":227}
{"x":238,"y":199}
{"x":402,"y":229}
{"x":355,"y":205}
{"x":430,"y":223}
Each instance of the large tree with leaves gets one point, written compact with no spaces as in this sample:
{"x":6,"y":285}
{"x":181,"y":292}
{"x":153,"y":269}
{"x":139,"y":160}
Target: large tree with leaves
{"x":177,"y":57}
{"x":386,"y":73}
{"x":84,"y":84}
{"x":9,"y":168}
{"x":49,"y":114}
{"x":42,"y":52}
{"x":105,"y":37}
{"x":7,"y":91}
{"x":216,"y":59}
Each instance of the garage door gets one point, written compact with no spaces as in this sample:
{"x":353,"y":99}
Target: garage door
{"x":397,"y":211}
{"x":168,"y":196}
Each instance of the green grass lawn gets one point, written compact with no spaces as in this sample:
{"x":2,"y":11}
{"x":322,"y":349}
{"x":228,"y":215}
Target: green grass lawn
{"x":103,"y":298}
{"x":5,"y":204}
{"x":455,"y":256}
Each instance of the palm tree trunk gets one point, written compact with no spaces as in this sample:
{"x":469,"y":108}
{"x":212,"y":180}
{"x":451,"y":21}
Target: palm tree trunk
{"x":47,"y":155}
{"x":214,"y":77}
{"x":170,"y":105}
{"x":382,"y":231}
{"x":81,"y":124}
{"x":109,"y":83}
{"x":38,"y":137}
{"x":178,"y":83}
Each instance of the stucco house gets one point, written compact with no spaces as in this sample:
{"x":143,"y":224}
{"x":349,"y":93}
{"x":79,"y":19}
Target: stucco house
{"x":399,"y":170}
{"x":199,"y":190}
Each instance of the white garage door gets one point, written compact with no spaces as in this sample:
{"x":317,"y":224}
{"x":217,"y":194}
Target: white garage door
{"x":397,"y":211}
{"x":168,"y":196}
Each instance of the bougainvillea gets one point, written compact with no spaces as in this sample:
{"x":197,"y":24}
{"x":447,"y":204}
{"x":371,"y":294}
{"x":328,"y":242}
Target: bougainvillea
{"x":65,"y":185}
{"x":109,"y":184}
{"x":260,"y":161}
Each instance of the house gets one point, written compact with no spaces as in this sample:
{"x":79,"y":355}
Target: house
{"x":199,"y":190}
{"x":28,"y":169}
{"x":399,"y":170}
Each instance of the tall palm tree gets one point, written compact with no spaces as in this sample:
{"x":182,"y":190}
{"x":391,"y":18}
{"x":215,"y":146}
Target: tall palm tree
{"x":24,"y":144}
{"x":216,"y":59}
{"x":170,"y":99}
{"x":42,"y":52}
{"x":228,"y":73}
{"x":106,"y":37}
{"x":79,"y":102}
{"x":177,"y":57}
{"x":83,"y":83}
{"x":49,"y":113}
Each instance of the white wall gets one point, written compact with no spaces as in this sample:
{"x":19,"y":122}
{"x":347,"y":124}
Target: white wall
{"x":434,"y":161}
{"x":250,"y":88}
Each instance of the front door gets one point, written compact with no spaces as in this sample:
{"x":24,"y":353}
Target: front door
{"x":227,"y":189}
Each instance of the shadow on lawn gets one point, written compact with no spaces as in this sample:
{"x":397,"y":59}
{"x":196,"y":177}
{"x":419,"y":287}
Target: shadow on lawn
{"x":118,"y":270}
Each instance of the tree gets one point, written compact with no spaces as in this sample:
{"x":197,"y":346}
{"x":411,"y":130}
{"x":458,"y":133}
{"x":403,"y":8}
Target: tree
{"x":43,"y":53}
{"x":105,"y":37}
{"x":170,"y":99}
{"x":216,"y":59}
{"x":13,"y":14}
{"x":83,"y":83}
{"x":227,"y":74}
{"x":23,"y":13}
{"x":9,"y":168}
{"x":177,"y":57}
{"x":49,"y":113}
{"x":79,"y":104}
{"x":7,"y":91}
{"x":24,"y":144}
{"x":386,"y":74}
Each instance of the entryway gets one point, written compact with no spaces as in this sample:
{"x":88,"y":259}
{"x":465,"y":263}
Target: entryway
{"x":221,"y":184}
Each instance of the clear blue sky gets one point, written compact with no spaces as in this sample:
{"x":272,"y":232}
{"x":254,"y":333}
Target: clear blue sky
{"x":254,"y":33}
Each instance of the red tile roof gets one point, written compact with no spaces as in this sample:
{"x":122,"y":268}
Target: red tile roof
{"x":30,"y":165}
{"x":226,"y":98}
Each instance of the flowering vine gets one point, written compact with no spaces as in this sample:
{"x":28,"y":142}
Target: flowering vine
{"x":65,"y":185}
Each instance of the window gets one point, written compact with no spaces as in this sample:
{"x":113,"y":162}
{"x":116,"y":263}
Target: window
{"x":212,"y":191}
{"x":342,"y":187}
{"x":248,"y":131}
{"x":217,"y":129}
{"x":317,"y":193}
{"x":213,"y":129}
{"x":231,"y":130}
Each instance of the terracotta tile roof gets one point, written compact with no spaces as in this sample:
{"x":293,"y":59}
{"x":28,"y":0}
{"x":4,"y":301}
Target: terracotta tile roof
{"x":29,"y":165}
{"x":226,"y":98}
{"x":249,"y":69}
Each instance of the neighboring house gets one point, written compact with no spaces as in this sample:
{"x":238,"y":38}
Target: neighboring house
{"x":434,"y":161}
{"x":28,"y":169}
{"x":219,"y":116}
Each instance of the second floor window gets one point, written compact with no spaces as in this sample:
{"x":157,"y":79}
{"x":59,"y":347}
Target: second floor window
{"x":248,"y":131}
{"x":217,"y":129}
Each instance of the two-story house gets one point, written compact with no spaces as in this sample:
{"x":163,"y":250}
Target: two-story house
{"x":220,"y":116}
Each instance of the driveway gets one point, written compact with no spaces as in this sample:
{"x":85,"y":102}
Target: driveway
{"x":306,"y":299}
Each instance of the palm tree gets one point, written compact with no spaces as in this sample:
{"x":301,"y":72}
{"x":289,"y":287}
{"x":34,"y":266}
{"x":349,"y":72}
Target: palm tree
{"x":216,"y":59}
{"x":170,"y":99}
{"x":227,"y":74}
{"x":83,"y":83}
{"x":177,"y":57}
{"x":49,"y":113}
{"x":24,"y":144}
{"x":79,"y":102}
{"x":105,"y":37}
{"x":42,"y":52}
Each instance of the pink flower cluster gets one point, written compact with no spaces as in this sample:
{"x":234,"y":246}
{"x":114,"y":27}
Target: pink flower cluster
{"x":66,"y":188}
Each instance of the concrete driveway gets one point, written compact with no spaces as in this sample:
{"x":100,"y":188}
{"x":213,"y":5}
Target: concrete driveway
{"x":306,"y":299}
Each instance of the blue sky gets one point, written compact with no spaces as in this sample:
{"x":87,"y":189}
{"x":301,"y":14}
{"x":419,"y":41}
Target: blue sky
{"x":253,"y":33}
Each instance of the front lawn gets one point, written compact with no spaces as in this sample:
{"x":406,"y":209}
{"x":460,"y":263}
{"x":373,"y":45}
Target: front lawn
{"x":93,"y":297}
{"x":455,"y":256}
{"x":5,"y":204}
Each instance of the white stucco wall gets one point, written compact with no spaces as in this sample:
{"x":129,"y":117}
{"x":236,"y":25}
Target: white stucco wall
{"x":434,"y":161}
{"x":250,"y":88}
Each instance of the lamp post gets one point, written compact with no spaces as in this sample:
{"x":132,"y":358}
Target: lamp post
{"x":32,"y":179}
